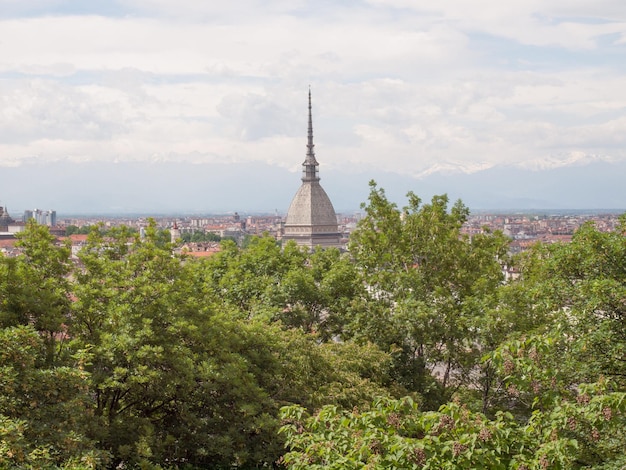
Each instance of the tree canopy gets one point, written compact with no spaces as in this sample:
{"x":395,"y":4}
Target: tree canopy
{"x":409,"y":350}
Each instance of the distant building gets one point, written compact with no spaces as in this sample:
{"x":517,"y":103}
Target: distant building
{"x":48,"y":218}
{"x":5,"y":220}
{"x":174,"y":233}
{"x":311,"y":219}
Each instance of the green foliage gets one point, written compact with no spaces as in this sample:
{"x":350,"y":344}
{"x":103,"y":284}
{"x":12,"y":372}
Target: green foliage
{"x":167,"y":372}
{"x":179,"y":378}
{"x":35,"y":288}
{"x":45,"y":415}
{"x":437,"y":298}
{"x":73,"y":229}
{"x":243,"y":279}
{"x":134,"y":357}
{"x":395,"y":435}
{"x":199,"y":237}
{"x":319,"y":295}
{"x":431,"y":288}
{"x":537,"y":382}
{"x":573,"y":296}
{"x":315,"y":292}
{"x":571,"y":299}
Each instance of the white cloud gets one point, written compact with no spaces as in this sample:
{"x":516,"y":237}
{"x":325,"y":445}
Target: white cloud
{"x":562,"y":23}
{"x":398,"y":85}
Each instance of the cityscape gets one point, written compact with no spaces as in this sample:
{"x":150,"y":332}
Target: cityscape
{"x":289,"y":235}
{"x":311,"y":221}
{"x":524,"y":229}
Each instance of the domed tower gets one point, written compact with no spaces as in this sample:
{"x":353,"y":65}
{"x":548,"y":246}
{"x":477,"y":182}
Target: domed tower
{"x":311,"y":219}
{"x":5,"y":219}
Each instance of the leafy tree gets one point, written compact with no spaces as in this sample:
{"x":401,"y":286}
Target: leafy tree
{"x":394,"y":434}
{"x":177,"y":377}
{"x":35,"y":288}
{"x":571,"y":300}
{"x":432,"y":288}
{"x":45,"y":415}
{"x":199,"y":237}
{"x":132,"y":307}
{"x":139,"y":358}
{"x":589,"y":419}
{"x":245,"y":279}
{"x":320,"y":294}
{"x":73,"y":229}
{"x":582,"y":286}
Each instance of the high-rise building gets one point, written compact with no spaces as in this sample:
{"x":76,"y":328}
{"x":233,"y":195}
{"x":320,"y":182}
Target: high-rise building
{"x":311,"y":220}
{"x":41,"y":217}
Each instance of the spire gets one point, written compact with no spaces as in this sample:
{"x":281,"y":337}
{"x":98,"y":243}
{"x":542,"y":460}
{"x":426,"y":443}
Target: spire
{"x":309,"y":167}
{"x":310,"y":154}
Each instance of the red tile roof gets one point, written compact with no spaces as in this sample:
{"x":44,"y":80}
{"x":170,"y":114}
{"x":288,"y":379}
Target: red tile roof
{"x":8,"y":243}
{"x":75,"y":238}
{"x":200,"y":254}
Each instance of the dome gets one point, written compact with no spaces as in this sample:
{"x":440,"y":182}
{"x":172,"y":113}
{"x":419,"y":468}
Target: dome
{"x":5,"y":218}
{"x":311,"y":206}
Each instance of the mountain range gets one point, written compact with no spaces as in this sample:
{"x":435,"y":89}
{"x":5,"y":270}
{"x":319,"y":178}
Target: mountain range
{"x":169,"y":187}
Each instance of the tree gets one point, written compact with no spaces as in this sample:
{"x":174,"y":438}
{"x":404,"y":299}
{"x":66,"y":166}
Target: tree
{"x":319,"y":295}
{"x":45,"y":417}
{"x":245,"y":279}
{"x":182,"y":372}
{"x":35,"y":289}
{"x":394,"y":434}
{"x":432,"y":287}
{"x":554,"y":348}
{"x":585,"y":420}
{"x":199,"y":236}
{"x":561,"y":366}
{"x":135,"y":310}
{"x":582,"y":285}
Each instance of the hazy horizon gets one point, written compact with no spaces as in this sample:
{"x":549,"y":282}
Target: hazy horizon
{"x":515,"y":104}
{"x":127,"y":188}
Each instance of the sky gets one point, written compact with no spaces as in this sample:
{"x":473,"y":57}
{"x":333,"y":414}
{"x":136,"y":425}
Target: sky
{"x":412,"y":88}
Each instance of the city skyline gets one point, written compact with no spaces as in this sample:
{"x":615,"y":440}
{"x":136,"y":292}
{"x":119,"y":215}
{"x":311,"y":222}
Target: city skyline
{"x":461,"y":97}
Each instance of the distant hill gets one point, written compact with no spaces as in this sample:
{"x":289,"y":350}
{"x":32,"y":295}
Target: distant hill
{"x":168,"y":187}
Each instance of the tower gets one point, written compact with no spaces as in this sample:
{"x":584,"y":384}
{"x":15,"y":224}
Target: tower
{"x":5,"y":219}
{"x":311,"y":219}
{"x":174,"y":233}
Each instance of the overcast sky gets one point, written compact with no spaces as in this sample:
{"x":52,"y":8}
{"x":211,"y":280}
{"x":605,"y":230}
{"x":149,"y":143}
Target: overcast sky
{"x":407,"y":86}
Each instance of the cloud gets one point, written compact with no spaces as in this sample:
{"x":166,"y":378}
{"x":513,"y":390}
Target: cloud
{"x":560,"y":23}
{"x":43,"y":109}
{"x":398,"y":85}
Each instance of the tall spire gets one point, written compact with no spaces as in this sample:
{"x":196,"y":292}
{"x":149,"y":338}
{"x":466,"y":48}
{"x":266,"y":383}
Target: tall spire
{"x":310,"y":154}
{"x":309,"y":167}
{"x":311,"y":220}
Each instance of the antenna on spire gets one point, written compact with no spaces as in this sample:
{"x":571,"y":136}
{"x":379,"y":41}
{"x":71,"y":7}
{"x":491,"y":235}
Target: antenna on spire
{"x":309,"y":167}
{"x":310,"y":153}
